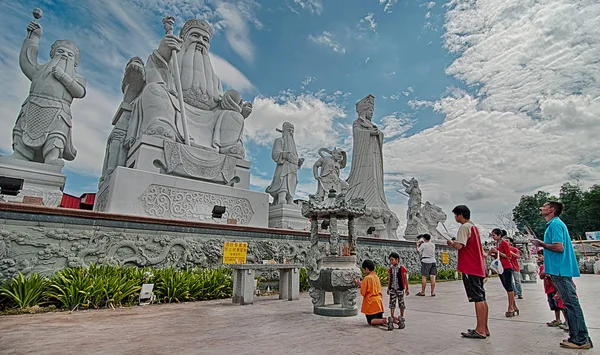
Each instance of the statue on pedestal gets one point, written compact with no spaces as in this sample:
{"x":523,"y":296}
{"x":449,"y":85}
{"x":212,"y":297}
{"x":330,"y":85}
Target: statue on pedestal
{"x":42,"y":132}
{"x":329,"y":177}
{"x":366,"y":174}
{"x":213,"y":119}
{"x":119,"y":141}
{"x":285,"y":177}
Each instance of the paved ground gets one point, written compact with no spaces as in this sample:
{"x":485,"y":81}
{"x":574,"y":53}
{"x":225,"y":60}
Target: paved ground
{"x":271,"y":326}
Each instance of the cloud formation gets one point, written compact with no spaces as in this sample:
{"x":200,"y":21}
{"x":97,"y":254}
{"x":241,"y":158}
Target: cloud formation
{"x":532,"y":120}
{"x":327,"y":39}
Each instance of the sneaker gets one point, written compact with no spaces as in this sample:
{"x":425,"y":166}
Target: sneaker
{"x":401,"y":323}
{"x":390,"y":323}
{"x":564,"y":326}
{"x":520,"y":297}
{"x":554,"y":323}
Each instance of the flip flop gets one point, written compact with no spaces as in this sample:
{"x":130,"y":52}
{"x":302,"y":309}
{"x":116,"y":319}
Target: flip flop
{"x":433,"y":295}
{"x":472,"y":330}
{"x":420,"y":294}
{"x":472,"y":334}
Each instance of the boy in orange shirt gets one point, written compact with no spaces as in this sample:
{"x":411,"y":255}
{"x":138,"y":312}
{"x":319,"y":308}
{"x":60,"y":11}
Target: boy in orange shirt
{"x":372,"y":305}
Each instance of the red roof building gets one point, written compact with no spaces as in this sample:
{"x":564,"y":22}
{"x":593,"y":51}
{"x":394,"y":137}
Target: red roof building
{"x":83,"y":202}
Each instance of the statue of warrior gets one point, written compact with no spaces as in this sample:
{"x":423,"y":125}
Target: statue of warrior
{"x":329,"y":177}
{"x":42,"y":132}
{"x":285,"y":178}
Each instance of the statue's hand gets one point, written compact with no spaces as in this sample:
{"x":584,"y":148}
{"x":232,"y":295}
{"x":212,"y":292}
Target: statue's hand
{"x":58,"y":72}
{"x":167,"y":44}
{"x":34,"y":29}
{"x":300,"y":162}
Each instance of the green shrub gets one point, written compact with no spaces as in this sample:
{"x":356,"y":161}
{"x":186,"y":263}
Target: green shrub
{"x":172,"y":285}
{"x":381,"y":272}
{"x":304,"y":285}
{"x":25,"y":291}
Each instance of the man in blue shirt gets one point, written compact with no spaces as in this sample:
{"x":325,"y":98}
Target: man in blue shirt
{"x":561,"y":265}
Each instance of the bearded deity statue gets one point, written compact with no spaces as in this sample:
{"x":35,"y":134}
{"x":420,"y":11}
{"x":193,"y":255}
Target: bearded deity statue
{"x":285,"y":177}
{"x":214,"y":120}
{"x":42,"y":132}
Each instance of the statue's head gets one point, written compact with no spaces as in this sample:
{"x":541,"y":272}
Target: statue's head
{"x":366,"y":107}
{"x":246,"y":109}
{"x":196,"y":32}
{"x":287,"y":128}
{"x":65,"y":49}
{"x":340,"y":156}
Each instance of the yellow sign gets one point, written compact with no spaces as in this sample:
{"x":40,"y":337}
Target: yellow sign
{"x":445,"y":258}
{"x":234,"y":252}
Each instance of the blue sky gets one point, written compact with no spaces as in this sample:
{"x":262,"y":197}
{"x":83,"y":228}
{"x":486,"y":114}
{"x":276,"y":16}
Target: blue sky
{"x":477,"y":98}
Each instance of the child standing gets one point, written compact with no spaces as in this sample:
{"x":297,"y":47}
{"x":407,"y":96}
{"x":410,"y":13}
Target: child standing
{"x":372,"y":305}
{"x":554,"y":301}
{"x":397,"y":287}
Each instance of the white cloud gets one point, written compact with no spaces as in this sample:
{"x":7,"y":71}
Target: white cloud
{"x":314,"y":120}
{"x":430,"y":4}
{"x":327,"y":39}
{"x":368,"y":23}
{"x":533,"y":122}
{"x":237,"y":31}
{"x":307,"y":81}
{"x":396,"y":124}
{"x":367,"y":60}
{"x":388,"y":4}
{"x":313,"y":6}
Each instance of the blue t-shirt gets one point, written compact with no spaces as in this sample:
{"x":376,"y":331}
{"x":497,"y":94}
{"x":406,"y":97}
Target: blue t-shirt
{"x":559,"y":264}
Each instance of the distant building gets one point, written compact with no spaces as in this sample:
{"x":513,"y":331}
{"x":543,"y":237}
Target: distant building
{"x":83,"y":202}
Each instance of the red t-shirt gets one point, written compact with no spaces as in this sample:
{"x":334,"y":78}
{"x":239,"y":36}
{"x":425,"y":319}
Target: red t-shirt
{"x":470,"y":256}
{"x":514,"y":260}
{"x":504,"y":248}
{"x":548,"y":286}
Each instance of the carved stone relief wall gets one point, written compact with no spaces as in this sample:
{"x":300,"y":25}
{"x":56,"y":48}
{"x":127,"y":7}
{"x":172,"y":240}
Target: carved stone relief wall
{"x":175,"y":203}
{"x":44,"y":247}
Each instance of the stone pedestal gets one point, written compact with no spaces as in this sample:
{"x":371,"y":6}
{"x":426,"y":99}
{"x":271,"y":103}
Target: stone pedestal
{"x":142,"y":193}
{"x":529,"y":272}
{"x":40,"y":180}
{"x":156,"y":155}
{"x":338,"y":274}
{"x":286,"y":216}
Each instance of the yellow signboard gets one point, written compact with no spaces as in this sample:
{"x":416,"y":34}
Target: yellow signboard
{"x":234,"y":252}
{"x":445,"y":258}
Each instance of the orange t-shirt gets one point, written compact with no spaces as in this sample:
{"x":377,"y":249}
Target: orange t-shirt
{"x":371,"y":292}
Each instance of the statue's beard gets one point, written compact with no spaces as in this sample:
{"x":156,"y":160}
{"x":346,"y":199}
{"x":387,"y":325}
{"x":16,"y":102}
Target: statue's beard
{"x":66,"y":64}
{"x":289,"y":145}
{"x":198,"y":78}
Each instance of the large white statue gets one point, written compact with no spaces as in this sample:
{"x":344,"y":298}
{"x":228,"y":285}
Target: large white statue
{"x":285,"y":178}
{"x":366,"y":174}
{"x":120,"y":140}
{"x":329,"y":176}
{"x":213,"y":119}
{"x":42,"y":132}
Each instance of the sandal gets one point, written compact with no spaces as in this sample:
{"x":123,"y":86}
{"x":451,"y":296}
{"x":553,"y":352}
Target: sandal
{"x":433,"y":295}
{"x":472,"y":330}
{"x":516,"y":312}
{"x":554,"y":323}
{"x":420,"y":294}
{"x":472,"y":334}
{"x":510,"y":314}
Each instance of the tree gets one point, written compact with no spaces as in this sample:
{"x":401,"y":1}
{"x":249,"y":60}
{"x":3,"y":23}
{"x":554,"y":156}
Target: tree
{"x":506,"y":222}
{"x":527,"y":212}
{"x":591,"y":199}
{"x":574,"y":212}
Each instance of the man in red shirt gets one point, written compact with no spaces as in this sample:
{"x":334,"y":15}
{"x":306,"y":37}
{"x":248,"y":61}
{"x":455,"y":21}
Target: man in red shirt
{"x":517,"y":277}
{"x":471,"y":265}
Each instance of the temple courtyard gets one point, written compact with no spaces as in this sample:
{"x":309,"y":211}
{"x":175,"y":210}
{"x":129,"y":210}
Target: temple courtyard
{"x":271,"y":326}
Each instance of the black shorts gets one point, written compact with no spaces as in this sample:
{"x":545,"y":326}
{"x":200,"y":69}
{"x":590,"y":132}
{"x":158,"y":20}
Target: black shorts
{"x":474,"y":287}
{"x":428,"y":269}
{"x":370,"y":317}
{"x":553,"y":303}
{"x":507,"y":280}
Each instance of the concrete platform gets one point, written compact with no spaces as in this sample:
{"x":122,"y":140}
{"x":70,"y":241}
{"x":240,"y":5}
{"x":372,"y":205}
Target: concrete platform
{"x":273,"y":326}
